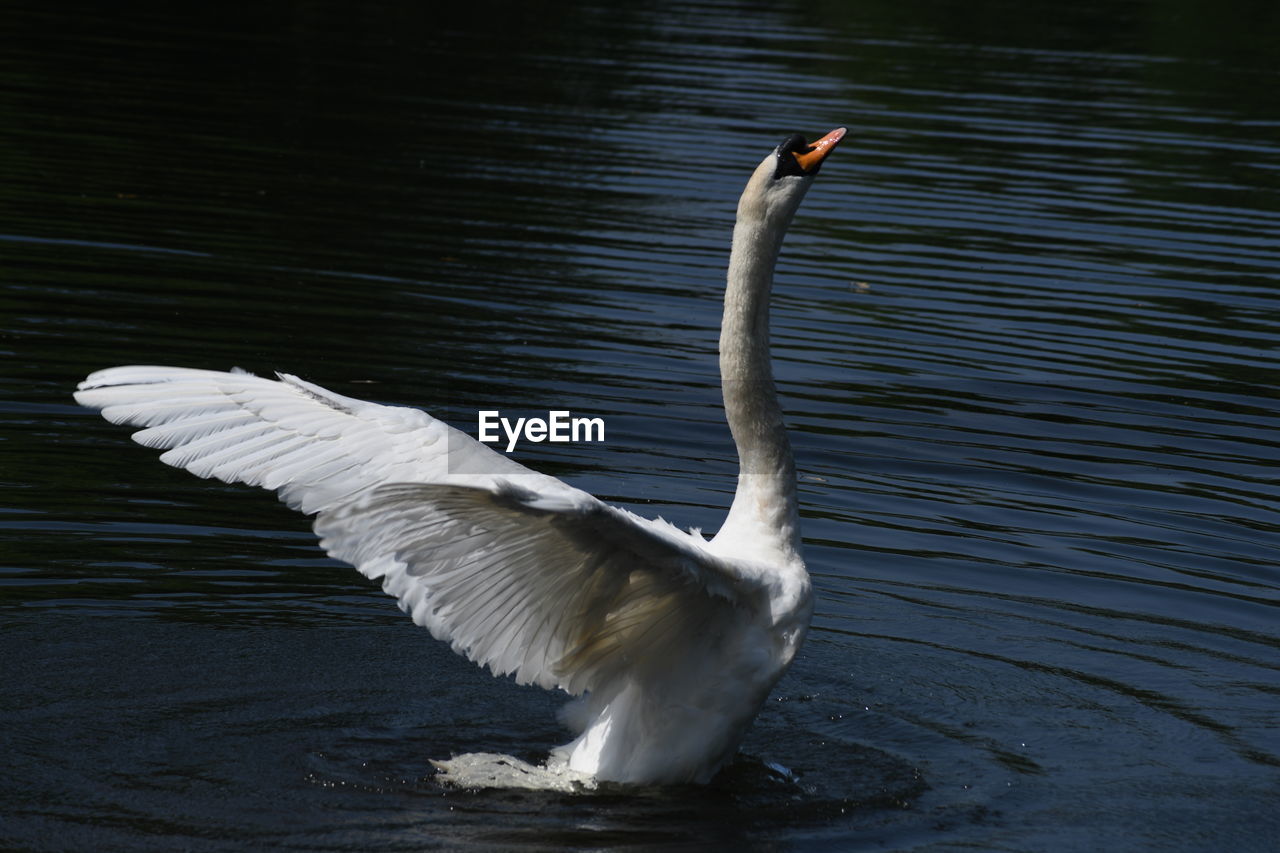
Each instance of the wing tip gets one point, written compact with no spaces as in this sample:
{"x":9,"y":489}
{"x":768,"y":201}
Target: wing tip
{"x":147,"y":374}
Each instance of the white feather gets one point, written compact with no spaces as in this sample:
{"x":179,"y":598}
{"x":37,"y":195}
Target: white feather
{"x":674,"y":640}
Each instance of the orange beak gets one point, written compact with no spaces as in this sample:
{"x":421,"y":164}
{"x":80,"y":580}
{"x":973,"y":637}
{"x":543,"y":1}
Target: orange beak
{"x":818,"y":151}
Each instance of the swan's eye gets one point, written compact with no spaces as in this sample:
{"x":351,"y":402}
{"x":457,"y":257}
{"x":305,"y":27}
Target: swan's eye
{"x":786,"y":157}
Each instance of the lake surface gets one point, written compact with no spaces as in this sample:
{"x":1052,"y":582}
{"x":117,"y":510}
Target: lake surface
{"x":1026,"y":330}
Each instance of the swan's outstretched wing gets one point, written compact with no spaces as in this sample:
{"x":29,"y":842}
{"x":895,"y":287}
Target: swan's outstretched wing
{"x":559,"y":590}
{"x":515,"y":569}
{"x":315,"y":447}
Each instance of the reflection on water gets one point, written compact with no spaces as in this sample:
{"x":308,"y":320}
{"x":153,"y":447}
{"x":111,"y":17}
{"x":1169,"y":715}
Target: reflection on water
{"x":1025,"y":332}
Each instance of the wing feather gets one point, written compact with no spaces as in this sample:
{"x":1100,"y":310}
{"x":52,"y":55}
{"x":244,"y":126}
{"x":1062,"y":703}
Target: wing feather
{"x":514,"y":569}
{"x":317,"y":447}
{"x":562,"y":597}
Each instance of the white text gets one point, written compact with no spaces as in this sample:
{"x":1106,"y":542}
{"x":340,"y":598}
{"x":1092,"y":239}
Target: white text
{"x":558,"y":426}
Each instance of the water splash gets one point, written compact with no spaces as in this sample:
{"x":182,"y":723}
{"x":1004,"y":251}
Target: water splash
{"x":481,"y":770}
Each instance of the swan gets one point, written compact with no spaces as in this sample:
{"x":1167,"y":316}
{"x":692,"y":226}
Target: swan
{"x":670,"y":642}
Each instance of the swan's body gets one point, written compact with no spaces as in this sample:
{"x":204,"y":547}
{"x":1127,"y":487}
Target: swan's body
{"x":672,"y":642}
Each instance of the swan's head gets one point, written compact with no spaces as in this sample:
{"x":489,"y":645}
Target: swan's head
{"x":781,"y":180}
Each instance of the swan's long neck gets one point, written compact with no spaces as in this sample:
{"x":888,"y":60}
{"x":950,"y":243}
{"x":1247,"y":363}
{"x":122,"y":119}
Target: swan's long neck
{"x":764,"y":519}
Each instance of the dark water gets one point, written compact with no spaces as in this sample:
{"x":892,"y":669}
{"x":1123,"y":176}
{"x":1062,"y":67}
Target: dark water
{"x":1026,"y":331}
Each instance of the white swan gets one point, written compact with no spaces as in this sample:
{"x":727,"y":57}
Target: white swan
{"x":671,"y":641}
